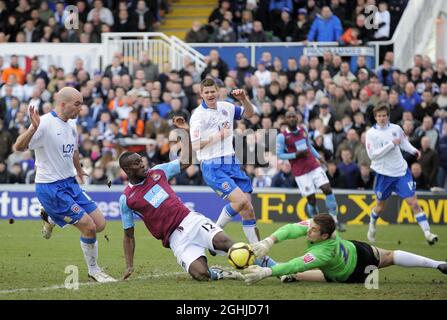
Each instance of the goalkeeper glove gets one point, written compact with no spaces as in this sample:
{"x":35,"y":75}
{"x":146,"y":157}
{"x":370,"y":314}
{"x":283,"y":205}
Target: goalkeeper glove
{"x":261,"y":248}
{"x":256,"y":273}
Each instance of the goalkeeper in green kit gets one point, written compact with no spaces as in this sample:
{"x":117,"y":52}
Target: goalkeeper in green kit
{"x":328,"y":257}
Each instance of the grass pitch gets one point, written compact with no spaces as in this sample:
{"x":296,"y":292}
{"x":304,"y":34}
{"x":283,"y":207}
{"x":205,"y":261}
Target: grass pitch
{"x":34,"y":268}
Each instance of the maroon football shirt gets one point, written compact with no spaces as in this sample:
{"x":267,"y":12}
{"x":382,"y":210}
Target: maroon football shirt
{"x":157,"y":205}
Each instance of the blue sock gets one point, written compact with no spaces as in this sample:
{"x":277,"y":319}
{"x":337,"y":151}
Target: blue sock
{"x":331,"y":205}
{"x":312,"y":210}
{"x":265,"y":262}
{"x":230,"y":211}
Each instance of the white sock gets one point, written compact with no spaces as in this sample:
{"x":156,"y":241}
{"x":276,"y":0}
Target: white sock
{"x":50,"y":221}
{"x":249,"y":227}
{"x":407,"y":259}
{"x":90,"y":251}
{"x":225,"y":216}
{"x":373,"y":219}
{"x":421,"y":218}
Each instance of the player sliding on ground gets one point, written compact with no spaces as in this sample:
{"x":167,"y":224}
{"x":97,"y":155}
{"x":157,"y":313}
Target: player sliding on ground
{"x":54,"y":139}
{"x":383,"y":144}
{"x":212,"y":126}
{"x":294,"y":145}
{"x":338,"y":260}
{"x":149,"y":196}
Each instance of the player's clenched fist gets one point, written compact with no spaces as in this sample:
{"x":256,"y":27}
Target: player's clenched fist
{"x":239,"y":94}
{"x":34,"y":116}
{"x":180,"y":122}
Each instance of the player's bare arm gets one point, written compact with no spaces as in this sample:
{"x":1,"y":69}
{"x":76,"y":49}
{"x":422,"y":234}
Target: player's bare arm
{"x":185,"y":157}
{"x":24,"y":139}
{"x":202,"y":143}
{"x":129,"y":251}
{"x":77,"y":164}
{"x":240,"y":95}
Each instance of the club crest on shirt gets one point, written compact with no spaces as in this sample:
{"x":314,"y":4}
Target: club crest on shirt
{"x":308,"y":258}
{"x":155,"y":176}
{"x":75,"y":208}
{"x":225,"y":186}
{"x":394,"y":134}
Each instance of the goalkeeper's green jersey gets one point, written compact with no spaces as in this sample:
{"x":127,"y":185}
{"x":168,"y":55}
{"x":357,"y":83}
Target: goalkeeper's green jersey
{"x":335,"y":257}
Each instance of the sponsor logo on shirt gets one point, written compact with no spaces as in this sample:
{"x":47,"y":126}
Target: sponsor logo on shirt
{"x":308,"y":258}
{"x":156,"y":196}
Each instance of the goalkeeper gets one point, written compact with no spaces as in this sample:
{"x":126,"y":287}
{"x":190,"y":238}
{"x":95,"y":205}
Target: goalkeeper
{"x":328,"y":257}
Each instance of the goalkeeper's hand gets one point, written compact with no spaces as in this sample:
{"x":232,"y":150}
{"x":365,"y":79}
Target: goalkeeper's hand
{"x":256,"y":273}
{"x":261,"y":248}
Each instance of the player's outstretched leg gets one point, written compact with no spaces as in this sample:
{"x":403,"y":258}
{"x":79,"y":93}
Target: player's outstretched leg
{"x":48,"y":224}
{"x":89,"y":246}
{"x":421,"y":218}
{"x":409,"y":260}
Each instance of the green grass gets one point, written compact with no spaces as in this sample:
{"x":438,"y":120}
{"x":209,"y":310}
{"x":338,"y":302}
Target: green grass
{"x":36,"y":266}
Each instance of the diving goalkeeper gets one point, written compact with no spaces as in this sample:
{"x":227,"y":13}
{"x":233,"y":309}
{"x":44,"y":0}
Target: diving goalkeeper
{"x":328,"y":257}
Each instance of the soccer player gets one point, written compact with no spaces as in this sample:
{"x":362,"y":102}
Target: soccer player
{"x":330,"y":258}
{"x":149,"y":196}
{"x":384,"y":142}
{"x":212,"y":137}
{"x":294,"y":145}
{"x":53,"y":137}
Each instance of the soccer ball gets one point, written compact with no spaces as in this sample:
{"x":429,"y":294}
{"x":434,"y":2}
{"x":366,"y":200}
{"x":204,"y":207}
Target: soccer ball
{"x":240,"y":255}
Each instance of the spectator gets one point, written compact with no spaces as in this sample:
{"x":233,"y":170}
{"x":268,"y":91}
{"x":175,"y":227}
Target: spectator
{"x":335,"y":179}
{"x":284,"y":178}
{"x":214,"y":61}
{"x":190,"y":177}
{"x":124,"y":23}
{"x":216,"y":17}
{"x":325,"y":28}
{"x":366,"y":177}
{"x":382,"y":22}
{"x":284,"y":28}
{"x":156,"y":126}
{"x":105,"y":15}
{"x":350,"y":37}
{"x":396,"y":111}
{"x":410,"y":98}
{"x":258,"y":33}
{"x":225,"y":32}
{"x":4,"y":173}
{"x":149,"y":68}
{"x":361,"y":155}
{"x":197,"y":33}
{"x":245,"y":28}
{"x":261,"y":180}
{"x":418,"y":177}
{"x":16,"y":174}
{"x":429,"y":162}
{"x":426,"y":129}
{"x":352,"y":143}
{"x":426,"y":107}
{"x":14,"y":69}
{"x":98,"y":176}
{"x":302,"y":26}
{"x":115,"y":68}
{"x":348,"y":169}
{"x":6,"y":142}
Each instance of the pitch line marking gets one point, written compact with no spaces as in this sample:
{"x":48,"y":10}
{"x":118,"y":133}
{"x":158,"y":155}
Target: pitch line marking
{"x":85,"y":284}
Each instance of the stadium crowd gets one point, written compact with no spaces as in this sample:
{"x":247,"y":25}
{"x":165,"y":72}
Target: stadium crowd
{"x":333,"y":101}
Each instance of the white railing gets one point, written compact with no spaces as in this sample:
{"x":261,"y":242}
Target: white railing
{"x":157,"y":45}
{"x":415,"y":30}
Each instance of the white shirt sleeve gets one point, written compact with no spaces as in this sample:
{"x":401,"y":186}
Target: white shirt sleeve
{"x":373,"y":149}
{"x":38,"y":140}
{"x":195,"y":129}
{"x":405,"y":144}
